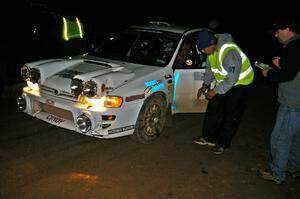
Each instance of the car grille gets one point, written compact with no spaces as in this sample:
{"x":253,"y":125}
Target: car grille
{"x":41,"y":107}
{"x":57,"y":93}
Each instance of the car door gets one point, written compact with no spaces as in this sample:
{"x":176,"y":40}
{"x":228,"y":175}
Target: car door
{"x":189,"y":69}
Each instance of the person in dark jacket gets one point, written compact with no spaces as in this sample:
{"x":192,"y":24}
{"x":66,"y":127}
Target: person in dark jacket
{"x":285,"y":137}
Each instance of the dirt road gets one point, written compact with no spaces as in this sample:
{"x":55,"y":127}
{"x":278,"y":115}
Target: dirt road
{"x":38,"y":160}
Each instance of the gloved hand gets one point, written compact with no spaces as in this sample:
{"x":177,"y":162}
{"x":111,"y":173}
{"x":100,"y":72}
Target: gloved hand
{"x":202,"y":90}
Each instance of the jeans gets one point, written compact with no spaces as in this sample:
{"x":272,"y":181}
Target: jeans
{"x":285,"y":142}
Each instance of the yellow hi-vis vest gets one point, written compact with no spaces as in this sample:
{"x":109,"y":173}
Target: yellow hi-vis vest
{"x":72,"y":29}
{"x":216,"y":62}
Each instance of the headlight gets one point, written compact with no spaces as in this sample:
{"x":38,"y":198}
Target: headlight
{"x":108,"y":101}
{"x":30,"y":74}
{"x":34,"y":75}
{"x":89,"y":88}
{"x":84,"y":123}
{"x":76,"y":87}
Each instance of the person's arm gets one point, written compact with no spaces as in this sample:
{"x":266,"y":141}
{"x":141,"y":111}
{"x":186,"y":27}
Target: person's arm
{"x":289,"y":66}
{"x":208,"y":76}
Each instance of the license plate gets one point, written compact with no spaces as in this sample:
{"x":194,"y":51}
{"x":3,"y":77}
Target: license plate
{"x":55,"y":119}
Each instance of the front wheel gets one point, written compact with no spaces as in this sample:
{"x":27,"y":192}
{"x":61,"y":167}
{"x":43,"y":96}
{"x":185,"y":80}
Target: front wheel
{"x":151,"y":119}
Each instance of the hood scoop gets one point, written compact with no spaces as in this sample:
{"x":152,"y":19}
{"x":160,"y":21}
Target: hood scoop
{"x":101,"y":62}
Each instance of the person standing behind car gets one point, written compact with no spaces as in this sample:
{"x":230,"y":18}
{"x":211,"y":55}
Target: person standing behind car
{"x":285,"y":137}
{"x":228,"y":65}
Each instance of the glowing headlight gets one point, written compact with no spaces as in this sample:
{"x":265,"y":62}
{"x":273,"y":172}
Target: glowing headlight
{"x":89,"y":88}
{"x":76,"y":87}
{"x":108,"y":101}
{"x":33,"y":86}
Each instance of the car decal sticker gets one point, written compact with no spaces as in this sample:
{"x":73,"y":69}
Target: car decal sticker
{"x":154,"y":85}
{"x":177,"y":75}
{"x":158,"y":87}
{"x":122,"y":129}
{"x":134,"y":97}
{"x":151,"y":83}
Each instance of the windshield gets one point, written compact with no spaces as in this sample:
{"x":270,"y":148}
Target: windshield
{"x":139,"y":46}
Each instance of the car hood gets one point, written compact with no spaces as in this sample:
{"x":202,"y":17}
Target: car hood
{"x":108,"y":75}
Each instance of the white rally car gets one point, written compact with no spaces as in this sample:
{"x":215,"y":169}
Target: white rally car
{"x":125,"y":86}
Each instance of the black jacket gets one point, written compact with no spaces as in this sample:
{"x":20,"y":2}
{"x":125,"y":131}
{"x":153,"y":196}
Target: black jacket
{"x":288,"y":75}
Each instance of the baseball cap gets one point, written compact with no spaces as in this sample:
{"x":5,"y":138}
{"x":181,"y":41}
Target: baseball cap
{"x":285,"y":22}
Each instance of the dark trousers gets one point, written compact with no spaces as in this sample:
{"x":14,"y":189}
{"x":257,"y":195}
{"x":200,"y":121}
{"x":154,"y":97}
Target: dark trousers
{"x":223,"y":115}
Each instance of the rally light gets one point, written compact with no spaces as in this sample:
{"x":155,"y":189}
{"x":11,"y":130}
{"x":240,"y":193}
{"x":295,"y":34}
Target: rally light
{"x":30,"y":74}
{"x":34,"y":75}
{"x":84,"y":123}
{"x":89,"y":88}
{"x":76,"y":87}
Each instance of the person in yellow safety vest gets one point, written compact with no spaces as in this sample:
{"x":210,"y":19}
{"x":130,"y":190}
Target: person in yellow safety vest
{"x":228,"y":65}
{"x":72,"y":29}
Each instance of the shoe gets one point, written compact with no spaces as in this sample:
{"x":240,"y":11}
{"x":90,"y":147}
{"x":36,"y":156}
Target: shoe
{"x":217,"y":149}
{"x":267,"y":175}
{"x":203,"y":142}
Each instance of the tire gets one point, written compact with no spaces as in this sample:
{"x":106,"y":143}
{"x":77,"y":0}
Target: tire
{"x":151,"y":119}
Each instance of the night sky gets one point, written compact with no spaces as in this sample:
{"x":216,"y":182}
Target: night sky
{"x":248,"y":22}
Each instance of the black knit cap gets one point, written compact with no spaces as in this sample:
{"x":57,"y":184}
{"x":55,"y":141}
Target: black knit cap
{"x":205,"y":38}
{"x":285,"y":22}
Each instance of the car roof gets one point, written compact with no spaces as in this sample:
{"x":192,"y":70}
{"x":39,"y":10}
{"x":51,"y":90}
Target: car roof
{"x":165,"y":26}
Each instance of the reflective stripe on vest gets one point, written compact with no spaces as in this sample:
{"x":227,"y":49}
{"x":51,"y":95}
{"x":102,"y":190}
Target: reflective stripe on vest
{"x":223,"y":72}
{"x":72,"y":29}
